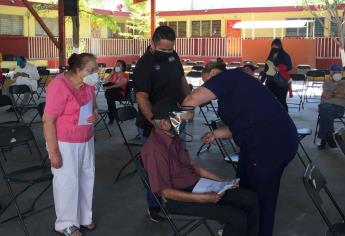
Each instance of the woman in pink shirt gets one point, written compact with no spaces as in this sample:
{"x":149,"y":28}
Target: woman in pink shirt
{"x":115,"y":87}
{"x":68,"y":129}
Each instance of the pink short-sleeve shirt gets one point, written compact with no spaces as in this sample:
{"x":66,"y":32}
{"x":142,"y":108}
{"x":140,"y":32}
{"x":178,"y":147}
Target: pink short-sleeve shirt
{"x":63,"y":101}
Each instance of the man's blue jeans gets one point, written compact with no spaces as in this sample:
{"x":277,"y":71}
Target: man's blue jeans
{"x":328,"y":112}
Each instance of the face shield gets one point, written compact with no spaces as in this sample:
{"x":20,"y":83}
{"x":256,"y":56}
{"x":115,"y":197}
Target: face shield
{"x":178,"y":119}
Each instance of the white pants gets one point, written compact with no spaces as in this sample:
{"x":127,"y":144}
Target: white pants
{"x":73,"y":184}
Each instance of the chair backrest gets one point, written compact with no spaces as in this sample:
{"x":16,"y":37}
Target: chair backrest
{"x":316,"y":73}
{"x":108,"y":71}
{"x":197,"y":68}
{"x":43,"y":72}
{"x":190,"y":63}
{"x":314,"y":182}
{"x":101,"y":65}
{"x":194,"y":74}
{"x":340,"y":139}
{"x":126,"y":113}
{"x":19,"y":89}
{"x":5,"y":70}
{"x":235,"y":64}
{"x":298,"y":77}
{"x":5,"y":101}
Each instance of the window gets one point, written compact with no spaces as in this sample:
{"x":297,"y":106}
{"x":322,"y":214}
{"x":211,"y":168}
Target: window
{"x":178,"y":26}
{"x":216,"y":28}
{"x":334,"y":29}
{"x":206,"y":28}
{"x":163,"y":23}
{"x":51,"y":23}
{"x":301,"y":32}
{"x":11,"y":25}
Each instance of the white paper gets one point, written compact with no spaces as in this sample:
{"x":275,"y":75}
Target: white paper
{"x":208,"y":185}
{"x":85,"y":113}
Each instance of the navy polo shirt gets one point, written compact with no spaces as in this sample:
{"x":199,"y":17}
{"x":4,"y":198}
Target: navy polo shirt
{"x":246,"y":106}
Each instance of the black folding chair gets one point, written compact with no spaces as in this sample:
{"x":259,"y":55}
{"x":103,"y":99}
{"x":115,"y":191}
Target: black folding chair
{"x":232,"y":157}
{"x":299,"y":89}
{"x":315,"y":80}
{"x":197,"y":68}
{"x":302,"y":133}
{"x":194,"y":78}
{"x":124,"y":114}
{"x":42,"y":83}
{"x":5,"y":101}
{"x":102,"y":119}
{"x":340,"y":139}
{"x":17,"y":91}
{"x":315,"y":183}
{"x":337,"y":120}
{"x":192,"y":222}
{"x":302,"y":69}
{"x":12,"y":135}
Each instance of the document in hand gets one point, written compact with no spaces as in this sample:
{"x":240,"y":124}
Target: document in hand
{"x":208,"y":185}
{"x":85,"y":113}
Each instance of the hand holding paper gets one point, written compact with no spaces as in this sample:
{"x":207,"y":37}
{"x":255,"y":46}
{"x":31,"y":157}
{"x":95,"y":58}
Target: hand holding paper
{"x":85,"y":112}
{"x":208,"y":185}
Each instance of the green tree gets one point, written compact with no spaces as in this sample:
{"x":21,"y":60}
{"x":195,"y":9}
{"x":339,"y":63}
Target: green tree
{"x":139,"y":22}
{"x":85,"y":10}
{"x":333,"y":11}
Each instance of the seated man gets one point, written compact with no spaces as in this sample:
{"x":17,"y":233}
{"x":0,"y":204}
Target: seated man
{"x":25,"y":74}
{"x":332,"y":106}
{"x":173,"y":175}
{"x":249,"y":69}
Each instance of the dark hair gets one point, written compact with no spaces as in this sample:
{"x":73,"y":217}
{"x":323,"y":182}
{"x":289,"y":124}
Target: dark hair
{"x":278,"y":43}
{"x":163,"y":32}
{"x":213,"y":65}
{"x":78,"y":61}
{"x":123,"y":64}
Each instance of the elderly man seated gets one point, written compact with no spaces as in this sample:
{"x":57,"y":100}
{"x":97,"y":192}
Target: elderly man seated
{"x":332,"y":106}
{"x":173,"y":175}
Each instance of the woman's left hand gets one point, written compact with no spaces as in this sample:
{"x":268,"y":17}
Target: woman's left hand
{"x":93,"y":118}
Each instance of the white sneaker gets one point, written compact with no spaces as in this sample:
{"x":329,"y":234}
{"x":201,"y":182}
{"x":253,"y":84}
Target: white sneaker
{"x":220,"y":232}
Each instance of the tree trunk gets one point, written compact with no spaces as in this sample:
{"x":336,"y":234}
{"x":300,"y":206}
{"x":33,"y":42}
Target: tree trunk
{"x":341,"y":42}
{"x":75,"y":33}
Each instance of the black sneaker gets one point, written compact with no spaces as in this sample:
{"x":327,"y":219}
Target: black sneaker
{"x":154,"y":215}
{"x":322,"y":144}
{"x":111,"y":122}
{"x":331,"y":143}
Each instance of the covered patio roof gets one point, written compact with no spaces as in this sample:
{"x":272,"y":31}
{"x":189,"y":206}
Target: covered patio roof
{"x":272,"y":24}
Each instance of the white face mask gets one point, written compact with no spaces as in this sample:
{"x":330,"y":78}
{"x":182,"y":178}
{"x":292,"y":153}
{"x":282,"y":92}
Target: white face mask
{"x":118,"y":69}
{"x":337,"y":77}
{"x":91,"y":79}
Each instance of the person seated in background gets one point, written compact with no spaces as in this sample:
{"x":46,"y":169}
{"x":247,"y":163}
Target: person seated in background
{"x":115,"y":88}
{"x":172,"y":175}
{"x":332,"y":106}
{"x":221,"y":62}
{"x":25,"y":74}
{"x":249,"y":69}
{"x":212,"y":65}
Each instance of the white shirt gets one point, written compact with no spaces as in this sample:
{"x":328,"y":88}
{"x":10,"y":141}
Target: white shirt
{"x":31,"y":81}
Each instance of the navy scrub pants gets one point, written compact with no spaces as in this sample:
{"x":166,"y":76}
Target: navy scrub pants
{"x":260,"y":169}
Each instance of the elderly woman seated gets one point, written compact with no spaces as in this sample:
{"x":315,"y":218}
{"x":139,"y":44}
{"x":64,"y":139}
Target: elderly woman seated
{"x":331,"y":107}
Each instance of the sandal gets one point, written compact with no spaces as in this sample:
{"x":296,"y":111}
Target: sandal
{"x":70,"y":231}
{"x":89,"y":227}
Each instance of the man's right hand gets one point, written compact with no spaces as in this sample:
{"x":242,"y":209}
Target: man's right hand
{"x":208,"y":138}
{"x":210,"y":197}
{"x":55,"y":160}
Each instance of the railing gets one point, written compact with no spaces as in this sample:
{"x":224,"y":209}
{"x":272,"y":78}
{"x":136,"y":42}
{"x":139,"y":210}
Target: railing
{"x":327,"y":48}
{"x":43,"y":48}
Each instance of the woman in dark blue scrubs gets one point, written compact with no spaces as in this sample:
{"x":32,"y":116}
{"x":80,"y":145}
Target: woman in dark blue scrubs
{"x":260,"y":126}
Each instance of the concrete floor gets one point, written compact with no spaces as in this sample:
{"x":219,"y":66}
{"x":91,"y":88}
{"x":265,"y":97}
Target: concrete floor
{"x":120,"y":209}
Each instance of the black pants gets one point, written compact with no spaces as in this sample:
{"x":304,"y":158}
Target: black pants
{"x":238,"y":210}
{"x":112,"y":95}
{"x":279,"y":92}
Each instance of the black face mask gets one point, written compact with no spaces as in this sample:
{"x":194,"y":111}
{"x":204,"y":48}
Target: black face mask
{"x":161,"y":56}
{"x":275,"y":50}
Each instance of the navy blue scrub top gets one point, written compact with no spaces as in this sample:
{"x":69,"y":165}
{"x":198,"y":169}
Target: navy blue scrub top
{"x":248,"y":108}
